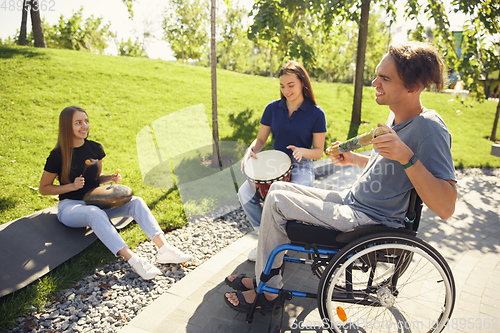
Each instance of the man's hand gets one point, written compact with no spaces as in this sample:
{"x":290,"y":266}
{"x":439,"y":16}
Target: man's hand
{"x":392,"y":147}
{"x":349,"y":158}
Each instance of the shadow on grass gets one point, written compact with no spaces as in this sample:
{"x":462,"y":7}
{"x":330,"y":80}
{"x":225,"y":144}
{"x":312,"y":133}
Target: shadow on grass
{"x":9,"y":52}
{"x":245,"y":128}
{"x":165,"y":196}
{"x":7,"y":203}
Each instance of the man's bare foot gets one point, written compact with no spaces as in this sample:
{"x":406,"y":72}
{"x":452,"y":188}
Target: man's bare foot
{"x":249,"y":297}
{"x":247,"y":282}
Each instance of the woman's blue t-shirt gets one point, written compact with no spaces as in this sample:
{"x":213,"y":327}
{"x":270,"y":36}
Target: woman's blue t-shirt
{"x":296,"y":130}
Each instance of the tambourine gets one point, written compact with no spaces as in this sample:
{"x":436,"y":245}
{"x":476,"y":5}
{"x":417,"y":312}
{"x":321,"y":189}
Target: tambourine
{"x":108,"y":196}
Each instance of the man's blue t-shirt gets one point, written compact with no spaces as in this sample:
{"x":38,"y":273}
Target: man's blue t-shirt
{"x":296,"y":130}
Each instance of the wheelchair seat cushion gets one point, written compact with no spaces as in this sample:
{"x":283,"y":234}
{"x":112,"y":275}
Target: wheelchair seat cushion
{"x":301,"y":233}
{"x":353,"y":234}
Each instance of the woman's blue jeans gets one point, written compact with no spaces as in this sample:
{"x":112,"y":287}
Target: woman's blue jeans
{"x":76,"y":214}
{"x":302,"y":173}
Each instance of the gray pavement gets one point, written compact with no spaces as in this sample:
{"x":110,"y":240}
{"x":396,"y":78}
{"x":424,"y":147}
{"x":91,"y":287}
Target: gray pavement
{"x":469,"y":241}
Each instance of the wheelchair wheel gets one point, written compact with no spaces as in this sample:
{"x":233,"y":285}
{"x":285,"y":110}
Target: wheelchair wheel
{"x":386,"y":283}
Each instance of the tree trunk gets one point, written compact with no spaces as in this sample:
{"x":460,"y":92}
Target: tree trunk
{"x":493,"y":136}
{"x":360,"y":63}
{"x":213,"y":65}
{"x":487,"y":84}
{"x":271,"y":62}
{"x":24,"y":20}
{"x":36,"y":24}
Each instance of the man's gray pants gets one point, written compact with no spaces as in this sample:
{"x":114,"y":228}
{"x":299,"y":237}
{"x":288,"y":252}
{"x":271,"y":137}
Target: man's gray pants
{"x":287,"y":201}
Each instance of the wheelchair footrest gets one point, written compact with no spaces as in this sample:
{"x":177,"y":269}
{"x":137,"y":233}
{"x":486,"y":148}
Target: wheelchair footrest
{"x":267,"y":277}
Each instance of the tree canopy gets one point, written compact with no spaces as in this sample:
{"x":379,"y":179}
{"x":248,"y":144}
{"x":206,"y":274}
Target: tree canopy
{"x":185,"y":27}
{"x":283,"y":24}
{"x":75,"y":33}
{"x":132,"y":48}
{"x":480,"y":46}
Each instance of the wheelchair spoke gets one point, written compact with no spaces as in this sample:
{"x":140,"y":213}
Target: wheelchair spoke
{"x":408,"y":287}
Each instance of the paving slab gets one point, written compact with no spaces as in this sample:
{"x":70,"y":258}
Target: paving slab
{"x":469,"y":241}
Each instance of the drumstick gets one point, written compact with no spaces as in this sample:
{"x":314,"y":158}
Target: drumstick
{"x":87,"y":163}
{"x":361,"y":140}
{"x":118,"y":171}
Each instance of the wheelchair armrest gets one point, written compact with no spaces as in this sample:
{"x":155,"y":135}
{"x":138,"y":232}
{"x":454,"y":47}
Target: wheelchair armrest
{"x":353,"y":234}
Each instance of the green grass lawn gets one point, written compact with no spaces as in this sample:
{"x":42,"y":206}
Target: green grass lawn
{"x":122,"y":95}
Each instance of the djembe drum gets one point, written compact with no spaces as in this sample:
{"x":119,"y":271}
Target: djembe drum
{"x":270,"y":166}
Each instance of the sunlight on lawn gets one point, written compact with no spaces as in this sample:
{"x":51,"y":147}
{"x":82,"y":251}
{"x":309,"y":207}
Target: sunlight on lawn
{"x":177,"y":149}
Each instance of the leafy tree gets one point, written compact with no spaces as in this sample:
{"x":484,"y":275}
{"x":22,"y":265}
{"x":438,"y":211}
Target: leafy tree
{"x":129,"y":4}
{"x":185,"y":28}
{"x":376,"y":45}
{"x":274,"y":21}
{"x":480,"y":44}
{"x":481,"y":48}
{"x":77,"y":34}
{"x":132,"y":48}
{"x":34,"y":6}
{"x":335,"y":51}
{"x":283,"y":22}
{"x":233,"y":37}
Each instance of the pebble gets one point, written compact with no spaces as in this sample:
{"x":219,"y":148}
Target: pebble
{"x":113,"y":295}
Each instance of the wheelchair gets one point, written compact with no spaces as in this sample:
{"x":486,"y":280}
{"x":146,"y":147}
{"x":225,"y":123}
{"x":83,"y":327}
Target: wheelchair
{"x":372,"y":279}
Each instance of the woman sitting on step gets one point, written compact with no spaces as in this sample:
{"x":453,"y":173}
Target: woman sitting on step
{"x":68,"y":162}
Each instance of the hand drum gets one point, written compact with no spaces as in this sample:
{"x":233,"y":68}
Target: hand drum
{"x":108,"y":196}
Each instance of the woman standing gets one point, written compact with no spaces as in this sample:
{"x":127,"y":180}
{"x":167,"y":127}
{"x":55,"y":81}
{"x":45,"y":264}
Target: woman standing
{"x":67,"y":162}
{"x":298,"y":126}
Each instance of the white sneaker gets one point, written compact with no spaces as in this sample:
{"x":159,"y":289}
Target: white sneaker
{"x":172,"y":255}
{"x":252,"y":256}
{"x":145,"y":269}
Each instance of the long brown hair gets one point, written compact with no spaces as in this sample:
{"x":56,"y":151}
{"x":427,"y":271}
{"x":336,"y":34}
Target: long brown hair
{"x":293,"y":67}
{"x":65,"y":140}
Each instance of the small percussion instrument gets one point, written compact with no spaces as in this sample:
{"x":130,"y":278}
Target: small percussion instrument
{"x":108,"y":196}
{"x":269,"y":167}
{"x":361,"y":140}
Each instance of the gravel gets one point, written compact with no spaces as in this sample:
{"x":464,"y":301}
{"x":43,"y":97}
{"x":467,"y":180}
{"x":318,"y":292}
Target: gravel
{"x":113,"y":295}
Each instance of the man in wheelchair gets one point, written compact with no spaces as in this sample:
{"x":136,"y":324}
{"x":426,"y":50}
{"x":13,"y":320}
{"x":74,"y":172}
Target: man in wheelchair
{"x":415,"y":154}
